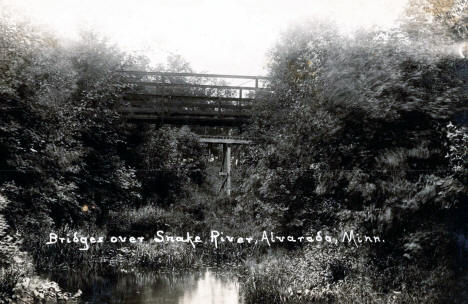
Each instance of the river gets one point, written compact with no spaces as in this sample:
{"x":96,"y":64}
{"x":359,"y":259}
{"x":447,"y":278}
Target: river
{"x":192,"y":287}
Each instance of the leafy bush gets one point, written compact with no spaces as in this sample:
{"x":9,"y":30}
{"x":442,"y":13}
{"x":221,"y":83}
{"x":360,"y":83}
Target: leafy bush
{"x":355,"y":138}
{"x":144,"y":221}
{"x":171,"y":158}
{"x":15,"y":264}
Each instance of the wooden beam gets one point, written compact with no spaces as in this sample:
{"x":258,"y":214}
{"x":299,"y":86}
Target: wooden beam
{"x":171,"y":74}
{"x":212,"y":109}
{"x":149,"y":96}
{"x":233,"y":141}
{"x":156,"y":104}
{"x":178,"y":111}
{"x":149,"y":108}
{"x":188,"y":120}
{"x":193,"y":85}
{"x":228,"y":169}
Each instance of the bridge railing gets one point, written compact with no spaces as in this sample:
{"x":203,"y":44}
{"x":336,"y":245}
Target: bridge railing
{"x":168,"y":83}
{"x":202,"y":97}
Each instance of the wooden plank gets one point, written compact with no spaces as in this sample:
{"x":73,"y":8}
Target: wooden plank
{"x":183,"y":97}
{"x":198,"y":121}
{"x":171,"y":74}
{"x":187,"y":104}
{"x":210,"y":106}
{"x":234,"y":141}
{"x":192,"y":85}
{"x":162,"y":107}
{"x":180,"y":112}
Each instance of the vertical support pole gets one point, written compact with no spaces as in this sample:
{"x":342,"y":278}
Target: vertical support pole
{"x":224,"y":158}
{"x":256,"y":83}
{"x":228,"y":169}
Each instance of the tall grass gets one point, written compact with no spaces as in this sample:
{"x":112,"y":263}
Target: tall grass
{"x":299,"y":277}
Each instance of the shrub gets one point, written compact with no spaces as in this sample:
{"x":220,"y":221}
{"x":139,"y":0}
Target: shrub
{"x":366,"y":117}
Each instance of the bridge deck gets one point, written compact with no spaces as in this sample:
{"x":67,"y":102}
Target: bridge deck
{"x":190,"y":99}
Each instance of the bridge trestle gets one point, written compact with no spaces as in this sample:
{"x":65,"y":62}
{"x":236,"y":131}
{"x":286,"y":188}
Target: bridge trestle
{"x":226,"y":142}
{"x":195,"y":99}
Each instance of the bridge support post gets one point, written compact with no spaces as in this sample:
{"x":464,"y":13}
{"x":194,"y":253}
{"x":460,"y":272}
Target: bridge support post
{"x":227,"y":143}
{"x":227,"y":167}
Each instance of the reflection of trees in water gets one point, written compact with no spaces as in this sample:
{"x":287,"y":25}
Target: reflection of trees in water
{"x":214,"y":288}
{"x":192,"y":287}
{"x":155,"y":287}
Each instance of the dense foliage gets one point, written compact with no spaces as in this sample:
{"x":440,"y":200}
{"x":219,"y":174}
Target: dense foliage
{"x":358,"y":137}
{"x":67,"y":158}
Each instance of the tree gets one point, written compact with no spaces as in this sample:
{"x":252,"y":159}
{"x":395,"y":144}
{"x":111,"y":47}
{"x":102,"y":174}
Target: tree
{"x":366,"y":117}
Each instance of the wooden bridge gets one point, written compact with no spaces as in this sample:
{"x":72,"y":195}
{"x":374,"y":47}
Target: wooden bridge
{"x":195,"y":99}
{"x":191,"y":99}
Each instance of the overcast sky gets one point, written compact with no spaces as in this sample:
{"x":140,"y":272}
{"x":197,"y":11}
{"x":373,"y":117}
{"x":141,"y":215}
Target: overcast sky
{"x":215,"y":36}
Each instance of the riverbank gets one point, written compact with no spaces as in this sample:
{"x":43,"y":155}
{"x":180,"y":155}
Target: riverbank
{"x":280,"y":276}
{"x":317,"y":274}
{"x":158,"y":237}
{"x":266,"y":274}
{"x":306,"y":273}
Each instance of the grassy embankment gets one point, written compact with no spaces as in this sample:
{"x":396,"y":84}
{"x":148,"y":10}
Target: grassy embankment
{"x":300,"y":275}
{"x":205,"y":209}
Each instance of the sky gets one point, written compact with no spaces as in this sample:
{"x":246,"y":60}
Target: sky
{"x":215,"y":36}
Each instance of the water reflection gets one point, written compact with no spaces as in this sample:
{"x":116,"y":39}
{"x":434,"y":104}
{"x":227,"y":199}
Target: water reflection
{"x":197,"y":287}
{"x":210,"y":289}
